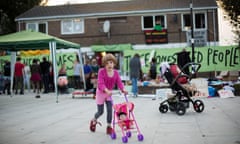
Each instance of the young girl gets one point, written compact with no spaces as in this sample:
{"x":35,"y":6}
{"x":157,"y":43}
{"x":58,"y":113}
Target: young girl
{"x":107,"y":78}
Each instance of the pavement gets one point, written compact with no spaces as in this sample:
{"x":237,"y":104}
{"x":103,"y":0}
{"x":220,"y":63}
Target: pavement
{"x":25,"y":119}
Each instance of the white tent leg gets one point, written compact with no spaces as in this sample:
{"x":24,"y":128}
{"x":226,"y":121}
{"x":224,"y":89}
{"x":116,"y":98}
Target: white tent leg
{"x":81,"y":62}
{"x":13,"y":61}
{"x":52,"y":46}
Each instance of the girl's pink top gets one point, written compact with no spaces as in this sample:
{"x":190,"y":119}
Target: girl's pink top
{"x":104,"y":81}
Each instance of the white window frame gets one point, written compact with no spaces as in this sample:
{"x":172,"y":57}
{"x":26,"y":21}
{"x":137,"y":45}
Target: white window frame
{"x":36,"y":24}
{"x":71,"y":31}
{"x":165,"y":21}
{"x":194,"y":24}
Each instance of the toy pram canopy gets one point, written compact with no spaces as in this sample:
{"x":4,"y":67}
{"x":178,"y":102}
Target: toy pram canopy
{"x":124,"y":107}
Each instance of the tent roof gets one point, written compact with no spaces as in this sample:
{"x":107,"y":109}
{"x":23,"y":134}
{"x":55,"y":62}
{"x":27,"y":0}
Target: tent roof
{"x":30,"y":40}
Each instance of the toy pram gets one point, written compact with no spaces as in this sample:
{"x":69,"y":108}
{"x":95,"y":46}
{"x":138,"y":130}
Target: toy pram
{"x":124,"y":118}
{"x":181,"y":98}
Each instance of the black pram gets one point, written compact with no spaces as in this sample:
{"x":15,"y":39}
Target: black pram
{"x":181,"y":97}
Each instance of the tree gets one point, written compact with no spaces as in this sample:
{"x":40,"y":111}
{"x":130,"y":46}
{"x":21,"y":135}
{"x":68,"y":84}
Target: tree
{"x":232,"y":9}
{"x":10,"y":9}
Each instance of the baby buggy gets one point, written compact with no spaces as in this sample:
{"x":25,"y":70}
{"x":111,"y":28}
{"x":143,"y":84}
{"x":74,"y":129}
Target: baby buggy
{"x":124,"y":118}
{"x":181,"y":97}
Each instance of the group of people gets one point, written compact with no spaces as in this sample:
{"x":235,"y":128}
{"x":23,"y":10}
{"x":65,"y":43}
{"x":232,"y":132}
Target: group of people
{"x":136,"y":74}
{"x":28,"y":75}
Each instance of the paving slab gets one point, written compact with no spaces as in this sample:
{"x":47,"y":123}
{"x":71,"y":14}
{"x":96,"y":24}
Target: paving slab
{"x":25,"y":119}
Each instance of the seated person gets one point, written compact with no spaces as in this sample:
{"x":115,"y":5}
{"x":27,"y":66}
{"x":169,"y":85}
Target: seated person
{"x":91,"y":82}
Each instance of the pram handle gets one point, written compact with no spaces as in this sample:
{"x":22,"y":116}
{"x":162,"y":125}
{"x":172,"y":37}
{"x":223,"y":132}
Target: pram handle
{"x":195,"y":68}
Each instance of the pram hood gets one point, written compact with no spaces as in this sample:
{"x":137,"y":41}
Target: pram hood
{"x":123,"y":107}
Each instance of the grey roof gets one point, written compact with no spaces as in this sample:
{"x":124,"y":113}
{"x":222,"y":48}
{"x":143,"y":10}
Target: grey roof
{"x":113,"y":8}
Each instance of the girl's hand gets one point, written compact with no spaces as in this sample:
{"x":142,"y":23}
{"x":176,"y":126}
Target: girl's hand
{"x":124,"y":92}
{"x":108,"y":92}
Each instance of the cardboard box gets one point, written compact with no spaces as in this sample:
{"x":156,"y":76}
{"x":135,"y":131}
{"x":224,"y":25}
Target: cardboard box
{"x":229,"y":75}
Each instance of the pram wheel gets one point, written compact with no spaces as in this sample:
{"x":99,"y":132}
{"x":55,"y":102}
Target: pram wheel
{"x":180,"y":108}
{"x":163,"y":108}
{"x":172,"y":106}
{"x":113,"y":135}
{"x":129,"y":134}
{"x":198,"y":106}
{"x":140,"y":137}
{"x":124,"y":139}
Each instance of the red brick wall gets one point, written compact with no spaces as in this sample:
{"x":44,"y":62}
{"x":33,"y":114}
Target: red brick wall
{"x":128,"y":30}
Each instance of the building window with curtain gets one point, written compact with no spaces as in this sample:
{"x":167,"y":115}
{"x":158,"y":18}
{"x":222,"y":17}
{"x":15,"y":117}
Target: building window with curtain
{"x":149,"y":22}
{"x":72,"y":26}
{"x":199,"y":25}
{"x":199,"y":21}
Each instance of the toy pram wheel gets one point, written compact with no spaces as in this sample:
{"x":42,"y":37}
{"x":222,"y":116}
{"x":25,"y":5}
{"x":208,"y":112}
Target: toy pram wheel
{"x":198,"y":106}
{"x":180,"y":108}
{"x":113,"y":135}
{"x":129,"y":134}
{"x":163,"y":108}
{"x":124,"y":139}
{"x":140,"y":137}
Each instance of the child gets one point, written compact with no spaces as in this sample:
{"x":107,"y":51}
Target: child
{"x":107,"y":78}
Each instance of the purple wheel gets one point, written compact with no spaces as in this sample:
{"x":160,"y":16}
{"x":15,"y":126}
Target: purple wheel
{"x":129,"y":134}
{"x":113,"y":135}
{"x":124,"y":139}
{"x":140,"y":137}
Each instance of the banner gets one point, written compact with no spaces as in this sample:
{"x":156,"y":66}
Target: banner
{"x":211,"y":59}
{"x":67,"y":58}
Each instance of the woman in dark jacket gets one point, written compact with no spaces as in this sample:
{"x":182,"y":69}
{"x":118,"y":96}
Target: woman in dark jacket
{"x":135,"y":70}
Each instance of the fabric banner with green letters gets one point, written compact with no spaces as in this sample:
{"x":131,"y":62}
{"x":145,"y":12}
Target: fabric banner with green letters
{"x":211,"y":58}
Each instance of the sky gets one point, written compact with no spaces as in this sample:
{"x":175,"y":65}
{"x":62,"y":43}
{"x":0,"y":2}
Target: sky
{"x":61,"y":2}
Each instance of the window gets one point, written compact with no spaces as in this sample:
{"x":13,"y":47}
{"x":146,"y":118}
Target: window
{"x":72,"y":26}
{"x":39,"y":27}
{"x":186,"y":21}
{"x":199,"y":21}
{"x":148,"y":22}
{"x":42,"y":28}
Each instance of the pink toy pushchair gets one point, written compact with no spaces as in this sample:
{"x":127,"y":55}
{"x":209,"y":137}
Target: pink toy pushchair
{"x":124,"y":118}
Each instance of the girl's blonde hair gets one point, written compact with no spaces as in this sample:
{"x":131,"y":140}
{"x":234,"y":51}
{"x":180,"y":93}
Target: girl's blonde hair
{"x":109,"y":57}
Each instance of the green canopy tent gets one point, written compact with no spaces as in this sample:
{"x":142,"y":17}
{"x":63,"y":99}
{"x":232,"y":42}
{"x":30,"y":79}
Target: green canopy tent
{"x":30,"y":40}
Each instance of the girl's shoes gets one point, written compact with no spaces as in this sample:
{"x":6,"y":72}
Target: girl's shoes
{"x":93,"y":124}
{"x":109,"y":130}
